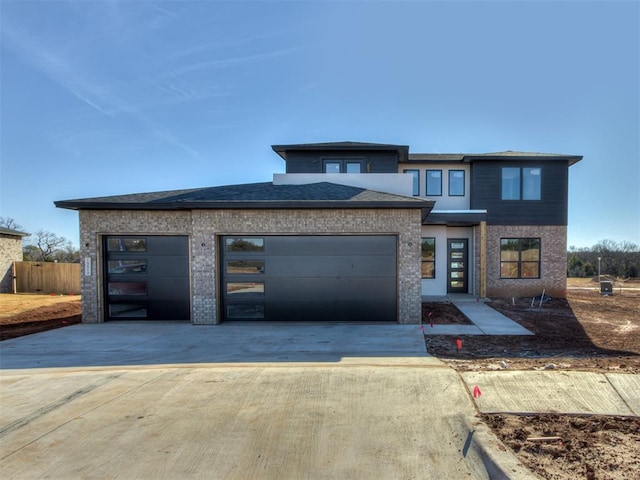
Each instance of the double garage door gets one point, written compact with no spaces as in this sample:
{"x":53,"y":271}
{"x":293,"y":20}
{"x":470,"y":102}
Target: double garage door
{"x":309,"y":278}
{"x":272,"y":278}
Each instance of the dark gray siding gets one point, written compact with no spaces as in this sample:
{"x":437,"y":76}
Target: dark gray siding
{"x":311,"y":161}
{"x":486,"y":178}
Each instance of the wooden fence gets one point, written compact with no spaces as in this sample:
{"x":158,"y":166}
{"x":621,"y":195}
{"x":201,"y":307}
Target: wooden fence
{"x":47,"y":277}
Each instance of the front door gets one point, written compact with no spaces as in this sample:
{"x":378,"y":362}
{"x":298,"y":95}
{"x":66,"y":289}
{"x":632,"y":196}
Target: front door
{"x":457,"y":265}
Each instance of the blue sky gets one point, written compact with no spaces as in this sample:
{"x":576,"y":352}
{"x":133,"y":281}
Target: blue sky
{"x":112,"y":97}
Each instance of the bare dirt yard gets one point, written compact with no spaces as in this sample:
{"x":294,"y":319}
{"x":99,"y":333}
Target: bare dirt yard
{"x":586,"y":331}
{"x":23,"y":314}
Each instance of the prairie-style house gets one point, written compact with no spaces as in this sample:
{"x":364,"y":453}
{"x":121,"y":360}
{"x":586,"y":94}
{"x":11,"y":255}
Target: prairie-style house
{"x":350,"y":232}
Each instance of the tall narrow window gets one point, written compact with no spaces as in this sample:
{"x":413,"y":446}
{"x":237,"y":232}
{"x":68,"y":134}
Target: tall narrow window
{"x":434,"y":183}
{"x":416,"y":180}
{"x":519,"y":258}
{"x":510,"y":183}
{"x":521,"y":183}
{"x":456,"y":183}
{"x":531,"y":183}
{"x":428,"y":257}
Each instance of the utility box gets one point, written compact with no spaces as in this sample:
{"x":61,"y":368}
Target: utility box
{"x":606,"y":288}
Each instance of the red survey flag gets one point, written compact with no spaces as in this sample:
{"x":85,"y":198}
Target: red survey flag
{"x":459,"y":344}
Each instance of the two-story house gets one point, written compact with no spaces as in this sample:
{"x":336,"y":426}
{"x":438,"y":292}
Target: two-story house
{"x":350,"y":232}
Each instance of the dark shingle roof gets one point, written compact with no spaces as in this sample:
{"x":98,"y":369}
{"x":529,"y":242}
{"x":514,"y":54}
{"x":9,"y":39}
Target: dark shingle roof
{"x":15,"y":233}
{"x":506,"y":155}
{"x":339,"y":146}
{"x":254,"y":195}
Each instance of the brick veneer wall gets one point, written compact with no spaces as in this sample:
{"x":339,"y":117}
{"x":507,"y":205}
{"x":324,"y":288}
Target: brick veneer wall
{"x":553,"y":261}
{"x":10,"y":251}
{"x":204,"y":226}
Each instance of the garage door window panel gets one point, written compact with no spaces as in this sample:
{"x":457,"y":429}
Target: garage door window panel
{"x":127,"y":267}
{"x":245,"y":311}
{"x":243,"y":289}
{"x":245,"y":267}
{"x":120,"y":244}
{"x":244,"y":244}
{"x":127,"y":288}
{"x":127,"y":310}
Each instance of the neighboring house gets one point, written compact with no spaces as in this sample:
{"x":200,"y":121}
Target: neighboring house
{"x":10,"y":251}
{"x":352,"y":231}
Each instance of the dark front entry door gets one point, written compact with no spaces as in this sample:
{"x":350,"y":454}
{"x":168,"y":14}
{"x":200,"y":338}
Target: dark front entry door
{"x":457,"y":265}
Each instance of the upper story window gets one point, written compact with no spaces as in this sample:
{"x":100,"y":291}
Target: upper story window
{"x":434,"y":183}
{"x":521,"y":183}
{"x":416,"y":180}
{"x":456,"y":183}
{"x":342,"y":165}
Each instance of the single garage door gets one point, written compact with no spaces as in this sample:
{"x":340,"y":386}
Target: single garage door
{"x":146,"y":278}
{"x":309,"y":278}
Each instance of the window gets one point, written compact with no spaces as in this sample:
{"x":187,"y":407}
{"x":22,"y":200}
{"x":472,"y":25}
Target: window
{"x":118,"y":244}
{"x":245,"y":288}
{"x":416,"y":180}
{"x":521,"y":183}
{"x":127,"y":288}
{"x":456,"y":183}
{"x":245,"y":267}
{"x":434,"y":183}
{"x":244,"y":244}
{"x":127,"y":266}
{"x":519,"y":258}
{"x":332,"y":167}
{"x":249,"y":310}
{"x":353,"y":167}
{"x":428,"y":257}
{"x":342,"y":165}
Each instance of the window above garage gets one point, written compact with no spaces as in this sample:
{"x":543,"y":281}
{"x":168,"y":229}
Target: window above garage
{"x":342,"y":165}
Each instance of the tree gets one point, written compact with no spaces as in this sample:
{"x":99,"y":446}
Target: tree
{"x":620,"y":259}
{"x":10,"y":223}
{"x":46,"y":246}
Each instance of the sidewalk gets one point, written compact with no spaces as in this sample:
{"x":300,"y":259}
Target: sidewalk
{"x":563,"y":392}
{"x":486,"y":320}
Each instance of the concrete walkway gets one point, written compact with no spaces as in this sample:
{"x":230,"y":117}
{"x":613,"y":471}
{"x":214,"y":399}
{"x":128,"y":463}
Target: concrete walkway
{"x":556,"y":392}
{"x":486,"y":320}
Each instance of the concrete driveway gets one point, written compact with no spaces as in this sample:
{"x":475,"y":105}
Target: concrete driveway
{"x":237,"y":402}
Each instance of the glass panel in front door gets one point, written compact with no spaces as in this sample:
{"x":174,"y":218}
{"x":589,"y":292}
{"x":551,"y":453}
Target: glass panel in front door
{"x":457,"y":251}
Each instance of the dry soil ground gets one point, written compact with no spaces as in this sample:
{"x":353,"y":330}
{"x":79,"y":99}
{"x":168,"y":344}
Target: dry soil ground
{"x":585,"y":331}
{"x":22,"y":314}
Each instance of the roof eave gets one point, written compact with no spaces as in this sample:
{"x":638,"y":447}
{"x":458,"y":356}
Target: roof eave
{"x":255,"y":205}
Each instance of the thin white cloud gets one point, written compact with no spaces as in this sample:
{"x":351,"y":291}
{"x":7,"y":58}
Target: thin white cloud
{"x":226,"y":62}
{"x":61,"y":69}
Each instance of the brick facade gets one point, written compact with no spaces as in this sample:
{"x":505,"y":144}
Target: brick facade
{"x":10,"y":251}
{"x":204,"y":226}
{"x":553,"y":261}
